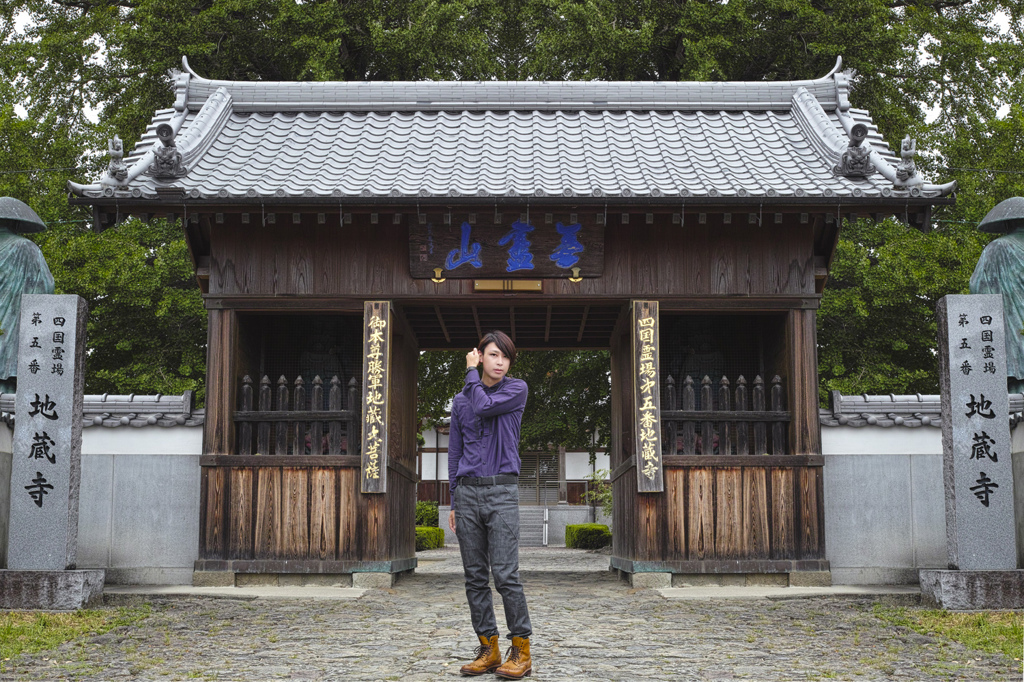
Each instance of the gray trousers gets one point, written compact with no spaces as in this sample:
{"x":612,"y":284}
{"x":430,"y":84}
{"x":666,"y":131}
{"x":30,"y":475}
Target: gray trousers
{"x":487,"y":525}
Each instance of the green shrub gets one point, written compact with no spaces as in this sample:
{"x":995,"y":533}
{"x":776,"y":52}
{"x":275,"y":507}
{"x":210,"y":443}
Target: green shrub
{"x":599,"y":491}
{"x":426,"y":513}
{"x":587,"y":536}
{"x":429,"y":537}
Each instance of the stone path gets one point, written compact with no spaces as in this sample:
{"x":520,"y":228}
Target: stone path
{"x":588,"y":625}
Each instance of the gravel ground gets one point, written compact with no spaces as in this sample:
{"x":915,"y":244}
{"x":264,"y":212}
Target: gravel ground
{"x":587,"y":625}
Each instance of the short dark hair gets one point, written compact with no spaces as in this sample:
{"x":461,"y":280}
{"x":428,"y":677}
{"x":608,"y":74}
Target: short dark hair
{"x":502,"y":341}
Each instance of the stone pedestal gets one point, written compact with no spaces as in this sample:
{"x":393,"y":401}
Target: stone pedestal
{"x":973,"y":590}
{"x":51,"y":590}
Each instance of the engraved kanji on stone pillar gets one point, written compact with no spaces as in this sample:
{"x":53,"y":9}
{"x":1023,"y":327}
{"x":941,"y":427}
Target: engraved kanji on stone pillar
{"x":46,"y":468}
{"x":976,"y":458}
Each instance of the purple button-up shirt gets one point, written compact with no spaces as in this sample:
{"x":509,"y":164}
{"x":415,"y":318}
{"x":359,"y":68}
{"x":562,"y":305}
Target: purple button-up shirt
{"x":484,"y":436}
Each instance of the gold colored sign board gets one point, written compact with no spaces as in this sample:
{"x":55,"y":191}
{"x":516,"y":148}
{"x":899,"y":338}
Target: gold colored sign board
{"x":647,"y":398}
{"x":377,"y":321}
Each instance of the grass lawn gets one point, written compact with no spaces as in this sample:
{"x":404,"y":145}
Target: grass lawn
{"x":988,"y":631}
{"x":31,"y":631}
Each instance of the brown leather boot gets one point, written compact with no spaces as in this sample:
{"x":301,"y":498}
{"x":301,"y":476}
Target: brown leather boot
{"x":518,"y":664}
{"x":488,"y":657}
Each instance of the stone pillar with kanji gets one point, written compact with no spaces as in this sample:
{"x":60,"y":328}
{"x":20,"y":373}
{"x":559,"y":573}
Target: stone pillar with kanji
{"x":977,"y":472}
{"x":46,"y":469}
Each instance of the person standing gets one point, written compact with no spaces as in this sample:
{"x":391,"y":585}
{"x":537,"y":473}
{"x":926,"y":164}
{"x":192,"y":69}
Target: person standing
{"x":483,"y":476}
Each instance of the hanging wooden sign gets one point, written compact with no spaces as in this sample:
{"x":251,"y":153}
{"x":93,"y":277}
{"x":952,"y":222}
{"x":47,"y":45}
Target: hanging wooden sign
{"x":544,"y":246}
{"x":647,"y":398}
{"x":376,"y":379}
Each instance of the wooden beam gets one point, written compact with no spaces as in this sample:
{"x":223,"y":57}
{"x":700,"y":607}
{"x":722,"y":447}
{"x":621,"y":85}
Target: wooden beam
{"x":547,"y":326}
{"x":583,"y":323}
{"x":512,"y":320}
{"x":440,"y":321}
{"x":476,"y":320}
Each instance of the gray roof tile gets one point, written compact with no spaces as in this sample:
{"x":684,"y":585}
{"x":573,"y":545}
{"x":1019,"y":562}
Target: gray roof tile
{"x":438,"y":139}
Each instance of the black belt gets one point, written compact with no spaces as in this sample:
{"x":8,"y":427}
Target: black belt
{"x":500,"y":479}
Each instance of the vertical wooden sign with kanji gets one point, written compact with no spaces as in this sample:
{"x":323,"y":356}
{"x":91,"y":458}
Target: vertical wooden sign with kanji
{"x":647,"y":398}
{"x":377,"y":320}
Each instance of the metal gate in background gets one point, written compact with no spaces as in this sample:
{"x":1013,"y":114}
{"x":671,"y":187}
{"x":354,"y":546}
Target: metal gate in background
{"x":538,"y":479}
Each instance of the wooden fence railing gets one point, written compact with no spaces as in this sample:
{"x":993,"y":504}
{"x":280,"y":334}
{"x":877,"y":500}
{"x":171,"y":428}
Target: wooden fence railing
{"x":722,"y":422}
{"x":290,"y":423}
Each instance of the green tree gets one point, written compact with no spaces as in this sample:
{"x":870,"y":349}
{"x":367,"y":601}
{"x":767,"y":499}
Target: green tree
{"x":80,"y":70}
{"x":876,"y":326}
{"x":568,"y":403}
{"x":147,"y":323}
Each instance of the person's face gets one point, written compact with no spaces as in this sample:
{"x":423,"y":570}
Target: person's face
{"x":495,"y":364}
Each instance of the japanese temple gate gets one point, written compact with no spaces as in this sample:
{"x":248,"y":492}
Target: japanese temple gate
{"x":338,"y":229}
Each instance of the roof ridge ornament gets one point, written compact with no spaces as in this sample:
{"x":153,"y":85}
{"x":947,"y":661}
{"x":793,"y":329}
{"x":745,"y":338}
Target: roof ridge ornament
{"x":906,"y":171}
{"x":117,"y":169}
{"x":856,"y":161}
{"x":167,"y":162}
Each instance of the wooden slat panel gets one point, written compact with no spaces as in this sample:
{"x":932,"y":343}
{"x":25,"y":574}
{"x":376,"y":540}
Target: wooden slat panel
{"x":240,"y":539}
{"x":295,"y":513}
{"x":268,"y":513}
{"x":348,"y":514}
{"x":810,"y":545}
{"x":729,"y":513}
{"x":675,"y":492}
{"x":641,"y":260}
{"x":323,"y":515}
{"x":701,"y":514}
{"x":215,"y":501}
{"x":783,"y":542}
{"x":755,"y":514}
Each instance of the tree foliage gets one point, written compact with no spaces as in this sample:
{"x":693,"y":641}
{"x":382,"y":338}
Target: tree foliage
{"x":877,"y":316}
{"x":568,"y":403}
{"x":74,"y":72}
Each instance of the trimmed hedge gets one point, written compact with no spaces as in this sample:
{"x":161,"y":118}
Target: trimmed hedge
{"x":426,"y":513}
{"x":429,"y":537}
{"x":587,"y":536}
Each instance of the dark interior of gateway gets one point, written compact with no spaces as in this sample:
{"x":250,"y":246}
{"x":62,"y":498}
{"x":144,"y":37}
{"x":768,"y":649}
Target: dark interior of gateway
{"x":692,"y":344}
{"x":313,"y":362}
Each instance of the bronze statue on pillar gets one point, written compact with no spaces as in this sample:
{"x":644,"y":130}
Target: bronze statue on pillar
{"x":1000,"y":270}
{"x":24,"y":272}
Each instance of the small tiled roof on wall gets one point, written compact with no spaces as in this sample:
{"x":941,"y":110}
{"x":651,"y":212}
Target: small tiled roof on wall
{"x":393,"y":141}
{"x":129,"y":410}
{"x":895,"y":410}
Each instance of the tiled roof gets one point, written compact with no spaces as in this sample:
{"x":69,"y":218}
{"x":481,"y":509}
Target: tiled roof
{"x":386,"y":141}
{"x":895,"y":410}
{"x":129,"y":410}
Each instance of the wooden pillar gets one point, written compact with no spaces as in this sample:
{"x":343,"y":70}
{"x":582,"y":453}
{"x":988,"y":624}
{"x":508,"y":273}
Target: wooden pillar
{"x":802,"y":347}
{"x":221,"y":383}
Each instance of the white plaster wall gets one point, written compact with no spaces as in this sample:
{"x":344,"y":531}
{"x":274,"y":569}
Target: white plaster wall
{"x":139,"y":503}
{"x":433,"y":465}
{"x":577,"y":464}
{"x":884,"y":503}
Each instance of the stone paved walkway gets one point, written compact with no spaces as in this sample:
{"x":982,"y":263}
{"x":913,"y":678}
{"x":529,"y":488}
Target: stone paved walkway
{"x":588,"y":626}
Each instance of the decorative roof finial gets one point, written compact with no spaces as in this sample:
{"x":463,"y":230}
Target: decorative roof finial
{"x":856,"y":161}
{"x":117,"y":169}
{"x":906,"y":171}
{"x":167,"y":159}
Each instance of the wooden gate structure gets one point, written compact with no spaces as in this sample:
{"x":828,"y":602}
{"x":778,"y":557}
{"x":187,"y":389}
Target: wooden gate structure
{"x":337,"y":229}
